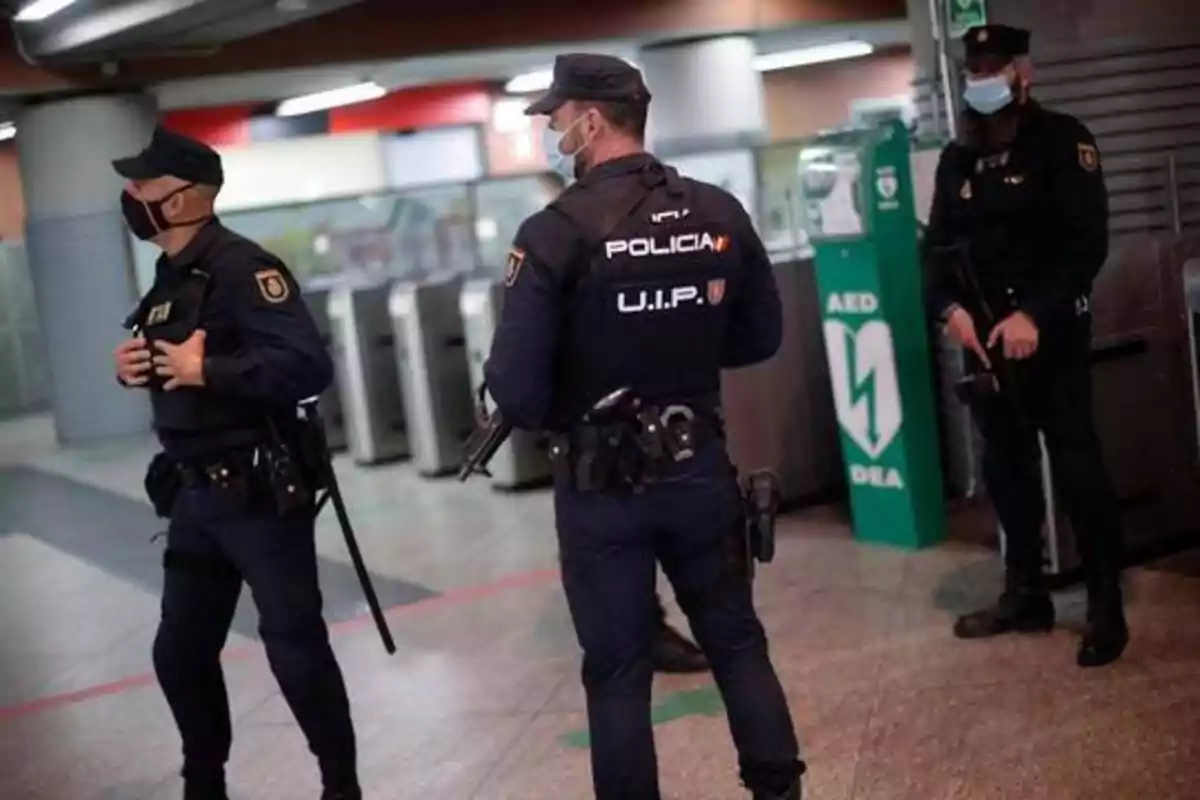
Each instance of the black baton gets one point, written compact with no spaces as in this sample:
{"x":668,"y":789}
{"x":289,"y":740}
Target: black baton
{"x":333,"y":492}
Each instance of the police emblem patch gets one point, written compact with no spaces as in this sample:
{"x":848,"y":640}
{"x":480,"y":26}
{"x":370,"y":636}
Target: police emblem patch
{"x":272,"y":285}
{"x":159,"y":314}
{"x":512,"y":269}
{"x":1089,"y":157}
{"x":716,"y":291}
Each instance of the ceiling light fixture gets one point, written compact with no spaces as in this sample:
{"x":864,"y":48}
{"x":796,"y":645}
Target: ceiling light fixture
{"x":8,"y":130}
{"x":330,"y":98}
{"x":530,"y":82}
{"x":808,"y":56}
{"x":39,"y":10}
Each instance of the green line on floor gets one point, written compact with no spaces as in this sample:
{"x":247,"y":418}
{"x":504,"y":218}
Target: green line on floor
{"x":702,"y":702}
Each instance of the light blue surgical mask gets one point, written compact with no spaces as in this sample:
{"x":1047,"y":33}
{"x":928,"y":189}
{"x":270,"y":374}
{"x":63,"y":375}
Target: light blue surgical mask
{"x":560,"y":162}
{"x":988,"y":95}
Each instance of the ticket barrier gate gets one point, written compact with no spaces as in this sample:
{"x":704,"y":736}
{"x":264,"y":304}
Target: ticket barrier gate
{"x":330,"y":404}
{"x":523,"y":460}
{"x":366,"y":372}
{"x":432,"y":363}
{"x":1191,"y":292}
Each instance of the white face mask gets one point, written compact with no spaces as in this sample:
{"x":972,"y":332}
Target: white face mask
{"x":560,"y":162}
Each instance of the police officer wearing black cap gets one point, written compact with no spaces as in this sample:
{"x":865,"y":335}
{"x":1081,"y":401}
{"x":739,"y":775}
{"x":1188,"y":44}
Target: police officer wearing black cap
{"x":1017,"y":234}
{"x":637,"y":285}
{"x":226,"y":348}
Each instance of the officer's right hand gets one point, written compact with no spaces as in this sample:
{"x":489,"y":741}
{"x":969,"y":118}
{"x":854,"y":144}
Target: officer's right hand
{"x":133,"y":362}
{"x":961,"y":329}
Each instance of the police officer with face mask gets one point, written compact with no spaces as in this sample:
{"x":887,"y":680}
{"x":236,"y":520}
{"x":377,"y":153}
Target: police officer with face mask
{"x":226,"y":348}
{"x":625,"y":297}
{"x":1017,"y":233}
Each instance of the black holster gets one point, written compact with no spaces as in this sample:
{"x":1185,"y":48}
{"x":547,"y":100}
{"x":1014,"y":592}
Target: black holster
{"x":287,"y":484}
{"x":162,"y":483}
{"x":762,"y":508}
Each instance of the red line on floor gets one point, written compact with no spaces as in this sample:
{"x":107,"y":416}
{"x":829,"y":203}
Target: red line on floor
{"x":464,"y":595}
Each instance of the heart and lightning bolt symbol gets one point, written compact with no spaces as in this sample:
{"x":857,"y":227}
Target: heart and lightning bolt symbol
{"x":866,"y":391}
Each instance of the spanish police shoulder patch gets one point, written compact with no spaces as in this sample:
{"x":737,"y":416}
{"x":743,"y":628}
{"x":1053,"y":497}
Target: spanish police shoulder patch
{"x":1089,"y":157}
{"x":716,"y":291}
{"x":512,"y":269}
{"x":272,"y":285}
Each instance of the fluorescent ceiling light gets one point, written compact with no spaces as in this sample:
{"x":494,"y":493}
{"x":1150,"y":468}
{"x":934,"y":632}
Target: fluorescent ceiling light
{"x":8,"y":131}
{"x":331,"y":98}
{"x":812,"y":55}
{"x":38,"y":10}
{"x":530,"y":82}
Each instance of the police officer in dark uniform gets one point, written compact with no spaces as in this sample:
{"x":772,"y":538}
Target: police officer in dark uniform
{"x":1017,"y":234}
{"x":638,"y":279}
{"x":226,"y":348}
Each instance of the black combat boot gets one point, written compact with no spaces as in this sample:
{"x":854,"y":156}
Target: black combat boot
{"x":204,"y":789}
{"x":791,"y":794}
{"x":1106,"y":635}
{"x":1024,"y":607}
{"x":353,"y":793}
{"x":675,"y":654}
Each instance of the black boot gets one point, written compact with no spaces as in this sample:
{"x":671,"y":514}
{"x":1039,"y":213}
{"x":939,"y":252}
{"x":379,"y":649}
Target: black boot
{"x":675,"y":654}
{"x":1024,"y":607}
{"x":353,"y":793}
{"x":1106,"y":635}
{"x":204,"y":789}
{"x":792,"y":794}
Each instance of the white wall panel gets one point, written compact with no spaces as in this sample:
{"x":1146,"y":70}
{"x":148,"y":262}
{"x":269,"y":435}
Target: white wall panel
{"x":301,"y":170}
{"x":442,"y":155}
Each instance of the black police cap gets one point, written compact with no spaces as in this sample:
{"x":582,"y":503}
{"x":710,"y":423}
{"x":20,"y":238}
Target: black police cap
{"x":170,"y":153}
{"x":1001,"y":41}
{"x":589,"y":76}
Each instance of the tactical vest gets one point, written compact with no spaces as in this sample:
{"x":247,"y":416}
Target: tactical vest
{"x":178,"y":304}
{"x":648,"y":309}
{"x":1002,"y":202}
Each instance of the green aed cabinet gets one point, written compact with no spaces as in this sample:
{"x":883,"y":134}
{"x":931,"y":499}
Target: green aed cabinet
{"x":860,"y":217}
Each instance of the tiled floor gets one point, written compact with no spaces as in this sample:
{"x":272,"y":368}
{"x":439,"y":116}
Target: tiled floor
{"x":483,"y":697}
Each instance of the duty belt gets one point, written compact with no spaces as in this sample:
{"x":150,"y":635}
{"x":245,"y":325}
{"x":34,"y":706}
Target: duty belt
{"x":219,"y":471}
{"x":633,"y":451}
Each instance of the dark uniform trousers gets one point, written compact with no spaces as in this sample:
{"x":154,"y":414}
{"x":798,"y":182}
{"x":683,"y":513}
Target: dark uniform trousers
{"x":1051,"y":393}
{"x":608,"y":543}
{"x":214,"y":542}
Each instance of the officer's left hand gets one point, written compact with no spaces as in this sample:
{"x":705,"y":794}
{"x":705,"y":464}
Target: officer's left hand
{"x":1020,"y":335}
{"x":181,"y":364}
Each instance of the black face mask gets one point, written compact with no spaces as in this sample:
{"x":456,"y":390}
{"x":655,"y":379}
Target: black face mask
{"x":145,"y":218}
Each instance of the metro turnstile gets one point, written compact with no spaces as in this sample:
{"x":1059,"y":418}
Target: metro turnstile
{"x":521,"y":461}
{"x":330,"y":405}
{"x":367,"y":377}
{"x":432,"y":362}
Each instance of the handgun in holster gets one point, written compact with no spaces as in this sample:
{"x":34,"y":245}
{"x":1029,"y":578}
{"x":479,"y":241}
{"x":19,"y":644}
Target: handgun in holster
{"x":762,"y":497}
{"x":600,"y":456}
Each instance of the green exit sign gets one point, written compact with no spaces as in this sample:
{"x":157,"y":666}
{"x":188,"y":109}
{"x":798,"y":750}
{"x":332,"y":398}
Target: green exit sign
{"x":962,"y":15}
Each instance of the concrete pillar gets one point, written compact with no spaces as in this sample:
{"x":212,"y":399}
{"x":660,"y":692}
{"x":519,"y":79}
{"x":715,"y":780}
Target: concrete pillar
{"x":79,"y":254}
{"x":707,"y":95}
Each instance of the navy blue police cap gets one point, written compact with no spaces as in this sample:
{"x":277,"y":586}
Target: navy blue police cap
{"x":589,"y":76}
{"x":170,"y":153}
{"x":996,"y":41}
